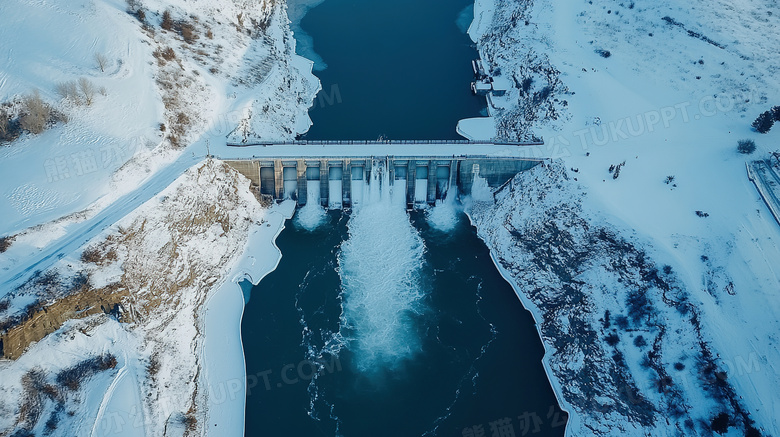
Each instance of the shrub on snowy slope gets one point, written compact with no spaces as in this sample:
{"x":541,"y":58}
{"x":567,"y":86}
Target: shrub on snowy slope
{"x":167,"y":21}
{"x":746,"y":146}
{"x":37,"y":114}
{"x":72,"y":377}
{"x":5,"y":243}
{"x":135,"y":8}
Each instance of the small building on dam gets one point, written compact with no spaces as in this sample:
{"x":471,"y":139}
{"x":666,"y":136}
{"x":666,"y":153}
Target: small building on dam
{"x":337,"y":176}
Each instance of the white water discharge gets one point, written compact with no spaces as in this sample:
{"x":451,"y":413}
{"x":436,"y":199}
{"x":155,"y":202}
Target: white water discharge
{"x":444,"y":216}
{"x":311,"y":215}
{"x":380,"y":266}
{"x":290,"y":187}
{"x":358,"y":187}
{"x":335,"y":193}
{"x":480,"y":190}
{"x":421,"y":191}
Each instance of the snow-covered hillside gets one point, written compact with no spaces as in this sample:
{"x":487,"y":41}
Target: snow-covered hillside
{"x":628,"y":345}
{"x":223,"y":68}
{"x":67,"y":167}
{"x":153,"y":271}
{"x":645,"y":103}
{"x":171,"y":79}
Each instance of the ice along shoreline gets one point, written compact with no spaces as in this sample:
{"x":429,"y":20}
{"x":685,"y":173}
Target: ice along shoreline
{"x":224,"y":368}
{"x":224,"y":362}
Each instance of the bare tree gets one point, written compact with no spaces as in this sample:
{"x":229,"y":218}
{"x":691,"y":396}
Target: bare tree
{"x":69,"y":91}
{"x":102,"y":61}
{"x":35,"y":113}
{"x":87,"y":89}
{"x":81,"y":92}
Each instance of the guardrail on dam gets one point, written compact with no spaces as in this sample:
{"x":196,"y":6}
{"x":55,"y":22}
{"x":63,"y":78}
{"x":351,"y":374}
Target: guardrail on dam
{"x":427,"y":178}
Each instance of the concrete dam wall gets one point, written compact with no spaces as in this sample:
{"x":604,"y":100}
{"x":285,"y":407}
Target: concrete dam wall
{"x":426,"y":178}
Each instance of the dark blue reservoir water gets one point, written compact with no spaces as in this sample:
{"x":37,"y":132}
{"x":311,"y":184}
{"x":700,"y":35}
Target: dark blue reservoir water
{"x":399,"y":69}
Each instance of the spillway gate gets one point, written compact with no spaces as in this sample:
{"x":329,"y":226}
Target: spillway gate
{"x":426,"y":178}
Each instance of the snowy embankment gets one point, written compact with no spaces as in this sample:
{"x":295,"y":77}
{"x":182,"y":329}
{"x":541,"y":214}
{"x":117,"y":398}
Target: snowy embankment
{"x":628,"y":346}
{"x":169,"y":92}
{"x":155,"y":271}
{"x":224,"y":68}
{"x":644,"y":104}
{"x":223,"y":351}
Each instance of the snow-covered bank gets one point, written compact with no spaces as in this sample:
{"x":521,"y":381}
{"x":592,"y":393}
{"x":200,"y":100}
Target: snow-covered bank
{"x":172,"y":92}
{"x":644,"y":104}
{"x":223,"y":352}
{"x":153,"y":271}
{"x":629,"y":344}
{"x":239,"y":76}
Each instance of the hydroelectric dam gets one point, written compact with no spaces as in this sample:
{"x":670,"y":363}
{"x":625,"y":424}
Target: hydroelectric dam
{"x":335,"y":173}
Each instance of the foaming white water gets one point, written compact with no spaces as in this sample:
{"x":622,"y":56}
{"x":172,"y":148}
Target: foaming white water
{"x":289,"y":189}
{"x":379,"y":265}
{"x":311,"y":215}
{"x":480,"y":190}
{"x":357,"y":189}
{"x":334,"y":196}
{"x":444,"y":216}
{"x":421,"y":191}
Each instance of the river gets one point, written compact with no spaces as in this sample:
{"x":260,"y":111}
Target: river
{"x":379,"y":322}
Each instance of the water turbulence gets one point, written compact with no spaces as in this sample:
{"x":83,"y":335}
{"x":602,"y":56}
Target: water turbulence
{"x":374,"y":324}
{"x":311,"y":215}
{"x":480,"y":190}
{"x":380,"y":266}
{"x":444,"y":216}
